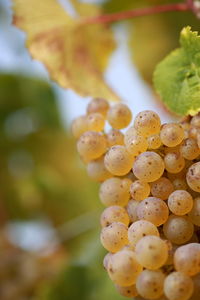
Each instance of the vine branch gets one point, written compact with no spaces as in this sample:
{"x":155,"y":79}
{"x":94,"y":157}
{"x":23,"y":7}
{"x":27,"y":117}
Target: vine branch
{"x":187,"y":5}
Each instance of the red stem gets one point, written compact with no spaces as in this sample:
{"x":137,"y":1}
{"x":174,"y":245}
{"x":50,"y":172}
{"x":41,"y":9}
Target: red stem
{"x":124,"y":15}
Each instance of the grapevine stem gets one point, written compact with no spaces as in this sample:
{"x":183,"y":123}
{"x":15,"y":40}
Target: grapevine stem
{"x":124,"y":15}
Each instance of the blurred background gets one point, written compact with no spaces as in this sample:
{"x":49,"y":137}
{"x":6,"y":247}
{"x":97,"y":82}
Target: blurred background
{"x":49,"y":208}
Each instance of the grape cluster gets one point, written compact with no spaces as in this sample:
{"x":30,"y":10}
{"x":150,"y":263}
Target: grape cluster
{"x":150,"y":184}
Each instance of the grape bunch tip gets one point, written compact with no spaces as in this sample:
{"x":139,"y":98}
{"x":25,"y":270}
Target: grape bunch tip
{"x":150,"y":186}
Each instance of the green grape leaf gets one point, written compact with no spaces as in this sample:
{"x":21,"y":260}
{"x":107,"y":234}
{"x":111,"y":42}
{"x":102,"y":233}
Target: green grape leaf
{"x":75,"y":55}
{"x":177,"y":77}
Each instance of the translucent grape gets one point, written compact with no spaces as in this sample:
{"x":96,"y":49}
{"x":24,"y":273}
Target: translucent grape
{"x":95,"y":122}
{"x":118,"y":160}
{"x":180,"y":184}
{"x":124,"y":268}
{"x":97,"y":171}
{"x":151,"y":252}
{"x":79,"y":126}
{"x":136,"y":144}
{"x":193,"y":132}
{"x":115,"y":137}
{"x":148,"y":166}
{"x":154,"y":141}
{"x":171,"y":134}
{"x":115,"y":191}
{"x":114,"y":214}
{"x":178,"y":286}
{"x":150,"y":284}
{"x":187,"y":259}
{"x":194,"y":214}
{"x":153,"y":210}
{"x":147,"y":123}
{"x":178,"y":229}
{"x":162,"y":188}
{"x":91,"y":145}
{"x":139,"y":229}
{"x":127,"y":291}
{"x":114,"y":236}
{"x":132,"y":210}
{"x":196,"y":121}
{"x":189,"y":149}
{"x":139,"y":190}
{"x":193,"y":177}
{"x":174,"y":162}
{"x":130,"y":132}
{"x":180,"y":202}
{"x":119,"y":116}
{"x":98,"y":105}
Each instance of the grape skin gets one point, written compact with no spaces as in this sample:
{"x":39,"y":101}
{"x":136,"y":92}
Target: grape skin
{"x":118,"y":160}
{"x":194,"y":214}
{"x":153,"y":210}
{"x":189,"y":149}
{"x":136,"y":144}
{"x":193,"y":177}
{"x":162,"y":188}
{"x":114,"y":236}
{"x":127,"y":291}
{"x":124,"y":268}
{"x":115,"y":137}
{"x":150,"y":284}
{"x":171,"y":134}
{"x":98,"y":105}
{"x":119,"y":116}
{"x":151,"y":252}
{"x":79,"y":126}
{"x":95,"y":122}
{"x":147,"y":123}
{"x":148,"y":166}
{"x":187,"y":259}
{"x":174,"y":162}
{"x":180,"y":202}
{"x":178,"y":229}
{"x":178,"y":286}
{"x":139,"y":229}
{"x":154,"y":141}
{"x":115,"y":191}
{"x":114,"y":214}
{"x":132,"y":210}
{"x":97,"y":171}
{"x":139,"y":190}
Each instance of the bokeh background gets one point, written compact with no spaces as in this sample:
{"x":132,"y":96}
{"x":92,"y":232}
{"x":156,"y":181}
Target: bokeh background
{"x":49,"y":208}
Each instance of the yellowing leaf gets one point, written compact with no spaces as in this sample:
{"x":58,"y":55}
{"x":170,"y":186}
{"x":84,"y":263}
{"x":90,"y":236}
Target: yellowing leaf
{"x":177,"y":77}
{"x":74,"y":54}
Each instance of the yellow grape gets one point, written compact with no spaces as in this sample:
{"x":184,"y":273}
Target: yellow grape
{"x":132,"y":210}
{"x":193,"y":177}
{"x":153,"y":210}
{"x":124,"y":268}
{"x":139,"y":190}
{"x":91,"y":145}
{"x":171,"y":134}
{"x":114,"y":214}
{"x":106,"y":259}
{"x":178,"y":286}
{"x":79,"y":126}
{"x":115,"y":191}
{"x":194,"y":214}
{"x":150,"y":284}
{"x":114,"y":236}
{"x":147,"y":123}
{"x":180,"y":202}
{"x":97,"y":171}
{"x":151,"y":252}
{"x":115,"y":137}
{"x":98,"y":105}
{"x":139,"y":229}
{"x":162,"y":188}
{"x":154,"y":141}
{"x":95,"y":122}
{"x":195,"y":121}
{"x":187,"y":259}
{"x":178,"y":229}
{"x":148,"y":166}
{"x":130,"y":132}
{"x":119,"y":116}
{"x":136,"y":144}
{"x":174,"y":162}
{"x":189,"y":149}
{"x":127,"y":291}
{"x":118,"y":160}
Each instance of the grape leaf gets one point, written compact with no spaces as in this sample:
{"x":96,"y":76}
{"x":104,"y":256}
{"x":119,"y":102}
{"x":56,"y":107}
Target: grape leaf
{"x":74,"y":54}
{"x":177,"y":77}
